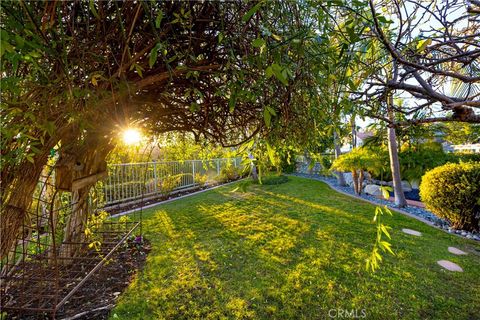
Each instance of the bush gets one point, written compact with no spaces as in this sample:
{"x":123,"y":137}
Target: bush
{"x":201,"y":179}
{"x":275,"y":179}
{"x":288,"y":164}
{"x":229,"y":173}
{"x":452,"y":192}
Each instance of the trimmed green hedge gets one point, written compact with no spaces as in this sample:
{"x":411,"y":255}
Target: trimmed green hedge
{"x":452,"y":192}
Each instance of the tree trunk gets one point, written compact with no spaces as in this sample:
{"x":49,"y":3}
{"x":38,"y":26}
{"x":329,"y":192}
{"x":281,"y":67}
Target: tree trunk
{"x":354,"y":132}
{"x":340,"y":177}
{"x":74,"y":230}
{"x":15,"y":209}
{"x":400,"y":200}
{"x":360,"y":182}
{"x":355,"y":181}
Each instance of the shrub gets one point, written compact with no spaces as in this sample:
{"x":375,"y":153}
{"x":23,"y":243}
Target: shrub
{"x":201,"y":179}
{"x":288,"y":164}
{"x":274,"y":179}
{"x":452,"y":192}
{"x":464,"y":157}
{"x":229,"y":173}
{"x":167,"y":184}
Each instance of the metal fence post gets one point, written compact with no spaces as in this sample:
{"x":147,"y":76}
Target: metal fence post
{"x":193,"y":171}
{"x":218,"y":167}
{"x":155,"y":175}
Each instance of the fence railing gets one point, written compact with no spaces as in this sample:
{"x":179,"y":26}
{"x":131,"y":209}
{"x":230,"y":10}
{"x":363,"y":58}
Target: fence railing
{"x":131,"y":181}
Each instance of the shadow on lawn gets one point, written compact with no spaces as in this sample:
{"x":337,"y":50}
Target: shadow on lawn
{"x":253,"y":255}
{"x":269,"y":253}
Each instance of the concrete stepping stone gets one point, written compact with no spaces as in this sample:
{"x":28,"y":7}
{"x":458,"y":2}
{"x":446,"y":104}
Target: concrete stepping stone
{"x":412,"y":232}
{"x":449,"y":265}
{"x":456,"y":251}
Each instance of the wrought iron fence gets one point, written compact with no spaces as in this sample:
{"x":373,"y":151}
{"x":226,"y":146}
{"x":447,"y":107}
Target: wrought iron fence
{"x":131,"y":181}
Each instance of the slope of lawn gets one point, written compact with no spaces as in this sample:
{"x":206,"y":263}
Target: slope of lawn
{"x":294,"y":251}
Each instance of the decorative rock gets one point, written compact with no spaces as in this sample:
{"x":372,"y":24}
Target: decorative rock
{"x":456,"y":251}
{"x":406,"y":186}
{"x":415,"y":184}
{"x":412,"y":232}
{"x":464,"y":233}
{"x":348,"y":178}
{"x":373,"y":190}
{"x":449,"y":265}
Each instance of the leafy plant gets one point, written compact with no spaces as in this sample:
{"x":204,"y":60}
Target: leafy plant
{"x":200,"y":179}
{"x":94,"y":224}
{"x":452,"y":192}
{"x":373,"y":262}
{"x":167,"y":184}
{"x":274,"y":179}
{"x":229,"y":173}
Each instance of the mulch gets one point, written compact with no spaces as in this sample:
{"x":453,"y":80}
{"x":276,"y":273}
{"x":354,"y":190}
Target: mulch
{"x":98,"y":295}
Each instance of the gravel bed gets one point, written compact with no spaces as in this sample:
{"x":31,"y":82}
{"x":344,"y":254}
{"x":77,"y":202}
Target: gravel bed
{"x":419,"y":212}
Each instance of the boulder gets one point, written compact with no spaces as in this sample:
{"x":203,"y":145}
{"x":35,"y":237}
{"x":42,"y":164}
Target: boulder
{"x":373,"y":189}
{"x":406,"y":186}
{"x":348,"y":178}
{"x":415,"y":184}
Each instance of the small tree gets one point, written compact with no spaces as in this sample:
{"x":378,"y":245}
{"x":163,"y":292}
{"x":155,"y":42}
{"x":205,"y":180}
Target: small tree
{"x":357,"y":162}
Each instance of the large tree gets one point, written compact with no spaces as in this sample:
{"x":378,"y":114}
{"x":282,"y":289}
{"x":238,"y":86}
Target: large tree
{"x":75,"y":73}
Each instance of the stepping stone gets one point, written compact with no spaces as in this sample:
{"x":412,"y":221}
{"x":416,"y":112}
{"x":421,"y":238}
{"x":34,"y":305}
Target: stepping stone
{"x":449,"y":265}
{"x":412,"y":232}
{"x":456,"y":251}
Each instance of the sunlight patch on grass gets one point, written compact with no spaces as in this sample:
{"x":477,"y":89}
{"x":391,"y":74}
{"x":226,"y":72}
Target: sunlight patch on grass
{"x":292,"y":251}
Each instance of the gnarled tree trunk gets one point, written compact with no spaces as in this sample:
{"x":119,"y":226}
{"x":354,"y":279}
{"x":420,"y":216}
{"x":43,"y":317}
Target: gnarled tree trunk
{"x":18,"y":200}
{"x":88,"y":165}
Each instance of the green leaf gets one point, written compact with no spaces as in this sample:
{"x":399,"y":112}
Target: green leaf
{"x":385,"y":230}
{"x":271,"y":110}
{"x":257,"y":43}
{"x":139,"y":70}
{"x":277,"y":71}
{"x":386,"y":246}
{"x":232,"y":102}
{"x":158,"y":19}
{"x":423,"y":44}
{"x":153,"y":55}
{"x":93,"y":9}
{"x":251,"y":12}
{"x":269,"y":72}
{"x":20,"y":41}
{"x":382,"y":19}
{"x":271,"y":153}
{"x":267,"y":117}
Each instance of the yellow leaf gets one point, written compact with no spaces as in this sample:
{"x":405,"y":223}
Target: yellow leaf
{"x":278,"y":38}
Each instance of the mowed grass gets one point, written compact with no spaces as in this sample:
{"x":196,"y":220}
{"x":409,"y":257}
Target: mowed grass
{"x":294,"y":251}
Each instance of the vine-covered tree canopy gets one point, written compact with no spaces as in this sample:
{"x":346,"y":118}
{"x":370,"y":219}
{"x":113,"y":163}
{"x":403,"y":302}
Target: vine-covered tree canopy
{"x":75,"y":73}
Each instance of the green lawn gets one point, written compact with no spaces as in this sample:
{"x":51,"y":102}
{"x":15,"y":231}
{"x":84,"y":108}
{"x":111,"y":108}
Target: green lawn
{"x":293,"y":251}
